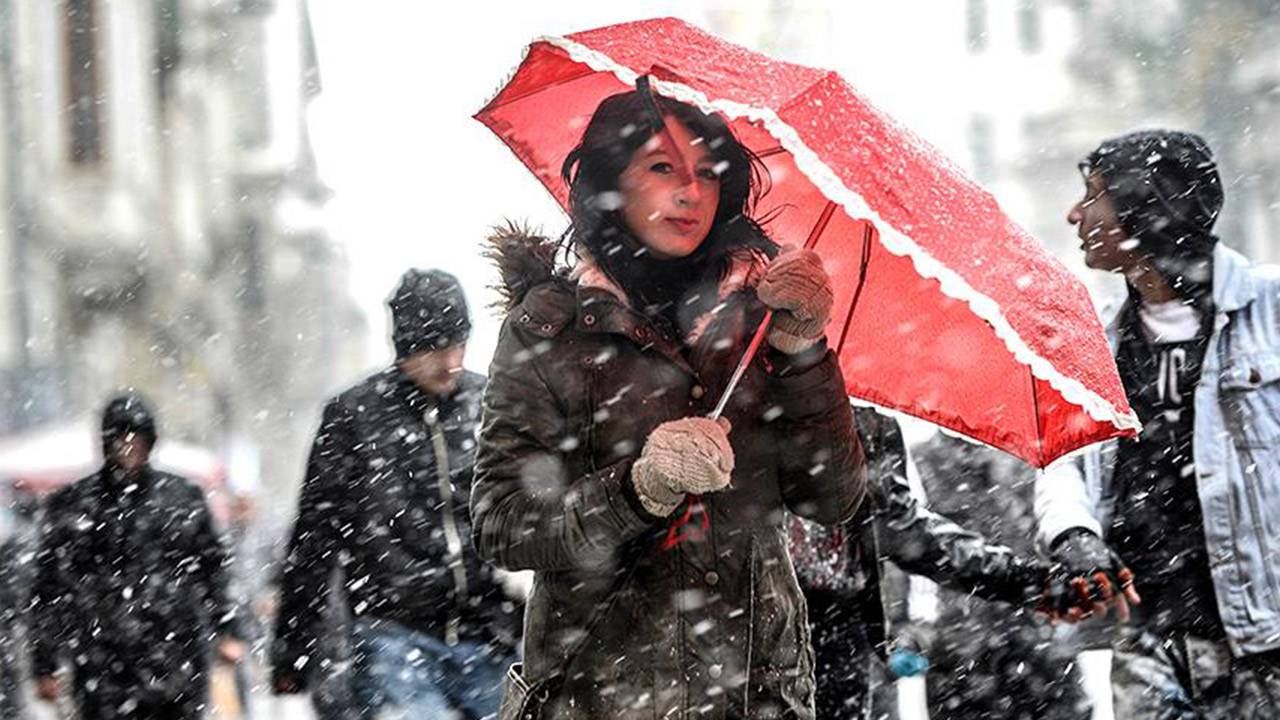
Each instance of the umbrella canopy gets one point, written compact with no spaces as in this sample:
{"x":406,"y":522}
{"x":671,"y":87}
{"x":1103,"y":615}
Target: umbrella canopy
{"x":48,"y":457}
{"x":945,"y":309}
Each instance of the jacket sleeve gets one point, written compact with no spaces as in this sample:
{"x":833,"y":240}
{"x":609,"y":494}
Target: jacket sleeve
{"x":927,"y":544}
{"x":1063,"y":501}
{"x":50,"y":596}
{"x":932,"y":546}
{"x":313,"y":548}
{"x":527,"y":512}
{"x":822,"y":473}
{"x":212,"y":561}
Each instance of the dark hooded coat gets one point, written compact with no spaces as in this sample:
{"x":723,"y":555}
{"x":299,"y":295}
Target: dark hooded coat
{"x":716,"y":626}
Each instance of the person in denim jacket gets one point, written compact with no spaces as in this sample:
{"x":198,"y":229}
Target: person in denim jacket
{"x":1177,"y":530}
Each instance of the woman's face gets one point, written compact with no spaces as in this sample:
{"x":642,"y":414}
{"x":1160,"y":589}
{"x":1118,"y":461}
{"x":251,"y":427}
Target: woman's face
{"x":669,"y":211}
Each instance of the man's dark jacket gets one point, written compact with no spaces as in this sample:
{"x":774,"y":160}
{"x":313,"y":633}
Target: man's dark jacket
{"x":896,"y":526}
{"x":376,"y":504}
{"x":131,"y":586}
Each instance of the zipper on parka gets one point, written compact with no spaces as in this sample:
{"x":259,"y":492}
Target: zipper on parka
{"x":453,"y":540}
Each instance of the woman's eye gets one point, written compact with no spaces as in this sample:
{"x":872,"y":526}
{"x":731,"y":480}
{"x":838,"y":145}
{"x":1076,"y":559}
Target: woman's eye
{"x":708,"y":174}
{"x":662,"y":168}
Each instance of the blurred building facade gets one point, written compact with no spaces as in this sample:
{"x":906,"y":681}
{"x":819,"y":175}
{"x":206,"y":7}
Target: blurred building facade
{"x":161,"y":223}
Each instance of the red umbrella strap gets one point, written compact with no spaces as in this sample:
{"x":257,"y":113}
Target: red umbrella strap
{"x":685,"y":527}
{"x":660,"y":130}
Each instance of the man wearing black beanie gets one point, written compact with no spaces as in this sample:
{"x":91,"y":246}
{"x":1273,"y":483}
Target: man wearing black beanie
{"x":1178,"y":529}
{"x":131,"y":585}
{"x":385,"y":502}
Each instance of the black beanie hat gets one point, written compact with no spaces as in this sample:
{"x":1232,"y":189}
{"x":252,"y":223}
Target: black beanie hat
{"x":428,"y":312}
{"x":127,"y":413}
{"x":1165,"y":188}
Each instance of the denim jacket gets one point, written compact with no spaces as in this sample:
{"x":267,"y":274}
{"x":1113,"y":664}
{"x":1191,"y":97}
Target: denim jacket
{"x":1237,"y":456}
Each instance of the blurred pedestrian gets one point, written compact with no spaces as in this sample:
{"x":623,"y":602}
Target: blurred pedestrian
{"x":385,"y":503}
{"x":131,"y":585}
{"x":840,"y":570}
{"x":994,"y":659}
{"x":17,"y":570}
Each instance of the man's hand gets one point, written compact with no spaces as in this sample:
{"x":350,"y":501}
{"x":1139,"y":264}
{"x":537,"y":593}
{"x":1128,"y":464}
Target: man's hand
{"x":231,"y":651}
{"x":286,"y":686}
{"x":48,"y":688}
{"x":1088,"y":578}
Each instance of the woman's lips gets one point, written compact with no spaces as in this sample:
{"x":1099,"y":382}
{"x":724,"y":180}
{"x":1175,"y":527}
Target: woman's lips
{"x":682,"y":224}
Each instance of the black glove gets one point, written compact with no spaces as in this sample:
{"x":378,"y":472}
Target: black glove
{"x":1087,"y":576}
{"x":1026,"y":580}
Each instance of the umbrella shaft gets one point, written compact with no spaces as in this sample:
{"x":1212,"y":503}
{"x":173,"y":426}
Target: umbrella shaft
{"x":743,"y":364}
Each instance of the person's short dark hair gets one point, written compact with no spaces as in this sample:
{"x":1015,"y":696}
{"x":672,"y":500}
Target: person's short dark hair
{"x":1165,"y":187}
{"x":428,"y":312}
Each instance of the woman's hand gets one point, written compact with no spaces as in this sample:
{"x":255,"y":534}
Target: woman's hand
{"x":797,"y":288}
{"x":687,"y":456}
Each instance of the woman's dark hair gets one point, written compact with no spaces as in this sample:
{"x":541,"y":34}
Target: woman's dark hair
{"x":619,"y":127}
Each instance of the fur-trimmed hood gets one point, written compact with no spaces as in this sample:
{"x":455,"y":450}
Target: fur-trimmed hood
{"x":526,"y":259}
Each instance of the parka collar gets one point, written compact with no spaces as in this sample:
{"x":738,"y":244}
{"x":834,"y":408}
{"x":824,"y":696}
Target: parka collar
{"x":604,"y":307}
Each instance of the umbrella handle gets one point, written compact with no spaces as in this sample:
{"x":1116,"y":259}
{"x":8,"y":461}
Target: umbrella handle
{"x":743,"y":364}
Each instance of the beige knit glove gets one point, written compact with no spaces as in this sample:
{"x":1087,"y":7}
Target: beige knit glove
{"x":687,"y":456}
{"x":796,"y":286}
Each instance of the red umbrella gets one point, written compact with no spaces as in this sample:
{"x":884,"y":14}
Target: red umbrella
{"x":945,"y":309}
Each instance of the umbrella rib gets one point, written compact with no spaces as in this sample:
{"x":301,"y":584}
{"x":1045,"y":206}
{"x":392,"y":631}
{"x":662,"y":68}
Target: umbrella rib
{"x":857,"y":291}
{"x":811,"y":241}
{"x":1035,"y":405}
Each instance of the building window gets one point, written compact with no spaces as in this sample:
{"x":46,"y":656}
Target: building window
{"x":168,"y":44}
{"x":982,"y":148}
{"x":253,"y":122}
{"x":84,"y":119}
{"x":1029,"y":35}
{"x":976,"y":25}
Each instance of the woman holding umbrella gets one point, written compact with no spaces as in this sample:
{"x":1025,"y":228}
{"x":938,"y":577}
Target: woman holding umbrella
{"x":663,"y":587}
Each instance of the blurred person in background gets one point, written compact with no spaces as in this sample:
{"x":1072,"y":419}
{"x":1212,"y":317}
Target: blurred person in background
{"x":989,"y":659}
{"x":1184,"y":518}
{"x":17,"y":552}
{"x":385,"y":502}
{"x":131,"y":585}
{"x":840,"y":570}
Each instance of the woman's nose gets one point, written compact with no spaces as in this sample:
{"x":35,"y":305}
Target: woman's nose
{"x":688,"y":194}
{"x":1075,"y":215}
